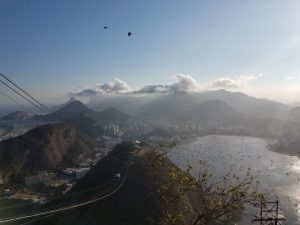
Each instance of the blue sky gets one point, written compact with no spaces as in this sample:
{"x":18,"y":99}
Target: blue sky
{"x":52,"y":47}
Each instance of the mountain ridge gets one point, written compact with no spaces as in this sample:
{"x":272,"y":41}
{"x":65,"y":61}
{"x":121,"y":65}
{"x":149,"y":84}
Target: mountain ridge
{"x":17,"y":115}
{"x":75,"y":109}
{"x":43,"y":148}
{"x":144,"y":105}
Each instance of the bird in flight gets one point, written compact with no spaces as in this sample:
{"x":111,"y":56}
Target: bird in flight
{"x":105,"y":28}
{"x":129,"y":34}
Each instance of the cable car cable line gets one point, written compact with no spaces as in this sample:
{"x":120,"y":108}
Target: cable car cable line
{"x":15,"y":101}
{"x":18,"y":93}
{"x":54,"y":214}
{"x":28,"y":97}
{"x":71,"y":206}
{"x":70,"y":194}
{"x":88,"y":190}
{"x":39,"y":219}
{"x":26,"y":93}
{"x":62,"y":197}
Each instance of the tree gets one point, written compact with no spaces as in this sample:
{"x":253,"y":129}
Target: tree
{"x":201,"y":200}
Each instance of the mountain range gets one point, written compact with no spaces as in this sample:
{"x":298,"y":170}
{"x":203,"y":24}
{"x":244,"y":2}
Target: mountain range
{"x":214,"y":110}
{"x":220,"y":105}
{"x":76,"y":108}
{"x":16,"y":116}
{"x":181,"y":102}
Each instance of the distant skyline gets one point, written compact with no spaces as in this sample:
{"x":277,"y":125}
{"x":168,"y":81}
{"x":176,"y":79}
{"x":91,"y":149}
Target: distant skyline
{"x":58,"y":48}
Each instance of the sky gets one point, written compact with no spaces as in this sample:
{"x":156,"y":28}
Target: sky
{"x":55,"y":49}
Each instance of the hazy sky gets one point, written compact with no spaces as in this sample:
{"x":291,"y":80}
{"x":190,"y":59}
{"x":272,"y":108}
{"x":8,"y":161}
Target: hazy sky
{"x":54,"y":47}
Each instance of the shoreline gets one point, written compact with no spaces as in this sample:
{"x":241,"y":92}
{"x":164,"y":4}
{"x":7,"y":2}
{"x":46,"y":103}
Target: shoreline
{"x":273,"y":148}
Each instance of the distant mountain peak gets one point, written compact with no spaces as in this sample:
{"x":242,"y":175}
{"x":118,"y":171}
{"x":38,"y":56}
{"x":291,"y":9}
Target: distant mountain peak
{"x":111,"y":109}
{"x":74,"y":105}
{"x":76,"y":108}
{"x":73,"y":108}
{"x":112,"y":114}
{"x":72,"y":99}
{"x":17,"y":115}
{"x":76,"y":102}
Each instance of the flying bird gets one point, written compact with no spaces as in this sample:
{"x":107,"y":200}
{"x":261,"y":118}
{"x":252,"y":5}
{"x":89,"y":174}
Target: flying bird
{"x":129,"y":34}
{"x":105,"y":28}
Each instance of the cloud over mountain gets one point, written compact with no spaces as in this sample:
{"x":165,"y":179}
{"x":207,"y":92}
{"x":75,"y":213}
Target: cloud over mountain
{"x":116,"y":86}
{"x":183,"y":83}
{"x":234,"y":82}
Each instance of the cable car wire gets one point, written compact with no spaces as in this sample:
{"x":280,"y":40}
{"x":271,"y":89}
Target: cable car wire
{"x":70,"y":206}
{"x":15,"y":101}
{"x":26,"y":93}
{"x":18,"y":93}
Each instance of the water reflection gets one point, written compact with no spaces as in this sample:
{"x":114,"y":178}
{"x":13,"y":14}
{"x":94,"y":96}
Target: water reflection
{"x":278,"y":174}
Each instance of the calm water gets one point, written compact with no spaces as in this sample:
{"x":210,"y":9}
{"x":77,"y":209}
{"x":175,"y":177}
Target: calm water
{"x":278,"y":174}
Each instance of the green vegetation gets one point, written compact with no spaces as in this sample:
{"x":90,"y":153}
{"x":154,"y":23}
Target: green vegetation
{"x":155,"y":192}
{"x":202,"y":201}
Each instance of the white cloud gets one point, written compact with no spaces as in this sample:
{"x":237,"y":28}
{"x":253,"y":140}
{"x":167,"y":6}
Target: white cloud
{"x":116,"y":86}
{"x":183,"y":84}
{"x":235,"y":82}
{"x":152,"y":89}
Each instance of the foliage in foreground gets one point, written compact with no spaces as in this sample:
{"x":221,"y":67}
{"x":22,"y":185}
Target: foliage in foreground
{"x":201,"y":201}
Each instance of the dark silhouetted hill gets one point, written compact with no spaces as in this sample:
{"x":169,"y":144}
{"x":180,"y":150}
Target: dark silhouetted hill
{"x":175,"y":105}
{"x":74,"y":108}
{"x":214,"y":110}
{"x":16,"y":116}
{"x":294,"y":114}
{"x":79,"y":115}
{"x":44,"y":148}
{"x":136,"y":202}
{"x":84,"y":124}
{"x":112,"y":115}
